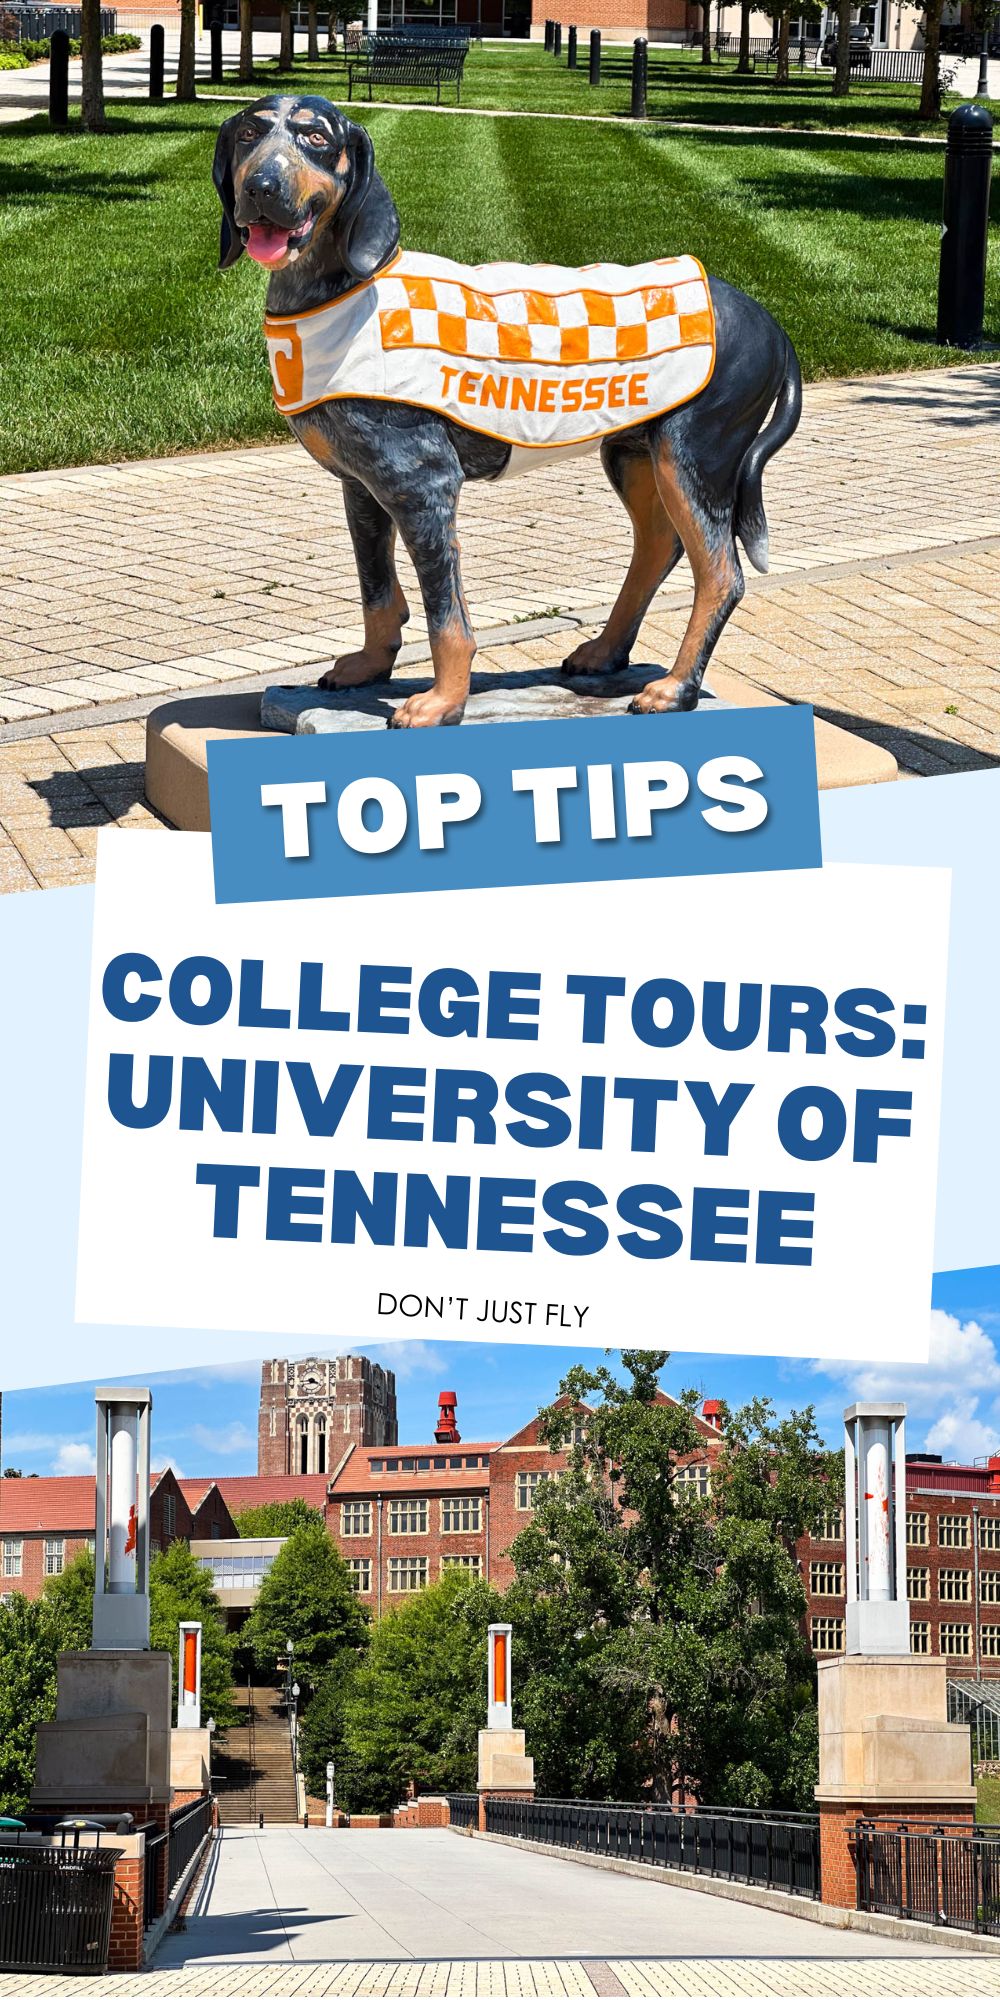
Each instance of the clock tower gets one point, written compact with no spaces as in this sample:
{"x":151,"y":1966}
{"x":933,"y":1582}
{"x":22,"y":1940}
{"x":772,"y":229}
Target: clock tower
{"x":311,"y":1410}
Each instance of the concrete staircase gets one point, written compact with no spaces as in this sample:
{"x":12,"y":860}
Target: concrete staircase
{"x":255,"y":1773}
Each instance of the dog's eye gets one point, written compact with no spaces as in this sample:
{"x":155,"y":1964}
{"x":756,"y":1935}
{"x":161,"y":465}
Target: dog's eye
{"x":246,"y":134}
{"x":317,"y":139}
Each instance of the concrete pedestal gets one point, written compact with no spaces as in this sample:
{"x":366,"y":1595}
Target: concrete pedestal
{"x":503,"y":1766}
{"x":109,"y":1746}
{"x":190,"y":1760}
{"x":886,"y":1751}
{"x":179,"y":732}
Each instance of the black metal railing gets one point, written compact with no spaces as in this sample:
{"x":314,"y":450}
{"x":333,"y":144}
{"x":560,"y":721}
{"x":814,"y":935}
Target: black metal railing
{"x":55,"y":1908}
{"x":931,"y":1875}
{"x":154,"y":1899}
{"x":189,"y":1827}
{"x":772,"y":1850}
{"x":19,"y":23}
{"x":463,"y":1808}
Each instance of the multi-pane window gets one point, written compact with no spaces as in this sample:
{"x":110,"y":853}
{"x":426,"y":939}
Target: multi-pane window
{"x":170,"y":1513}
{"x":91,"y":1544}
{"x":356,"y":1517}
{"x":917,"y":1530}
{"x":989,"y":1531}
{"x":13,"y":1551}
{"x":237,"y":1572}
{"x":409,"y":1517}
{"x":828,"y":1635}
{"x":474,"y":1564}
{"x":953,"y":1531}
{"x":462,"y":1516}
{"x":830,"y":1526}
{"x":360,"y":1568}
{"x":989,"y":1586}
{"x":956,"y":1641}
{"x":954,"y":1586}
{"x":826,"y":1579}
{"x":920,"y":1636}
{"x":918,"y":1585}
{"x":55,"y":1555}
{"x":693,"y":1479}
{"x":526,"y":1488}
{"x":989,"y":1640}
{"x":407,"y":1572}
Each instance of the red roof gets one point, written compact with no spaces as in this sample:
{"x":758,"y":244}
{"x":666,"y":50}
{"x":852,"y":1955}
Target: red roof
{"x":253,"y":1491}
{"x":358,"y":1477}
{"x":27,"y":1505}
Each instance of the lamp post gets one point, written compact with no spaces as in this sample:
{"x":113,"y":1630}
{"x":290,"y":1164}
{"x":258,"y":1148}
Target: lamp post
{"x":330,"y":1775}
{"x":983,"y":86}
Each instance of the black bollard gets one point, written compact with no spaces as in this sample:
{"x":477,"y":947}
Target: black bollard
{"x":557,"y":39}
{"x":549,"y":25}
{"x":215,"y":39}
{"x":571,"y":50}
{"x":640,"y":50}
{"x":59,"y":78}
{"x":156,"y":38}
{"x":962,"y":271}
{"x":595,"y":56}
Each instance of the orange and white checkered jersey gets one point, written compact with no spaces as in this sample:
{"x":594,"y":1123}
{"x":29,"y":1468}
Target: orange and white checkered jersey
{"x":543,"y":359}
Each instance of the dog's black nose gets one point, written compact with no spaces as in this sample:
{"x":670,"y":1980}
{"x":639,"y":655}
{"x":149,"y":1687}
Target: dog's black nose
{"x":264,"y":185}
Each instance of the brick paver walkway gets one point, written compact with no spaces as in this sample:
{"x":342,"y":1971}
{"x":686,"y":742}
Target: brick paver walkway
{"x":232,"y":568}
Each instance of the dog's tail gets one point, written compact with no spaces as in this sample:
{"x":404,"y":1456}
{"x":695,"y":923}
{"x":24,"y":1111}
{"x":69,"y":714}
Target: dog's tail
{"x":750,"y":522}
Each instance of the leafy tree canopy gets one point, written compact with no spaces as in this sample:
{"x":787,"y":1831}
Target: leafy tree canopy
{"x":180,"y":1590}
{"x":275,"y":1517}
{"x":307,"y":1596}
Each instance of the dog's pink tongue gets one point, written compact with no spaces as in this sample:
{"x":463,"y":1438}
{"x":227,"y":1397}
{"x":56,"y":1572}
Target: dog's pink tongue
{"x":265,"y":244}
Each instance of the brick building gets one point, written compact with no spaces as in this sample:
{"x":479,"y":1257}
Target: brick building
{"x":44,"y":1523}
{"x":310,"y":1411}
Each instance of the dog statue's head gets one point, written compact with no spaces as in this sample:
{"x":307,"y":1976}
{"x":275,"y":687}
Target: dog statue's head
{"x":296,"y":178}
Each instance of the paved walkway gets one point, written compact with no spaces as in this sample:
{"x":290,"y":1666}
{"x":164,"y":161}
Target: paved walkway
{"x":881,"y":607}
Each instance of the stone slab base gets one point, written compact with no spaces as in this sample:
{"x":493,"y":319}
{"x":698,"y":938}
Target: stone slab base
{"x":179,"y":732}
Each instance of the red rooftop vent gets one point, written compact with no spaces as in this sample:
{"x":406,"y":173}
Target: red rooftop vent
{"x":993,"y":1468}
{"x":447,"y":1424}
{"x":712,"y":1413}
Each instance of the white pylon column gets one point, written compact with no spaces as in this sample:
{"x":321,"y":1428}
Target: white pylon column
{"x":121,"y":1521}
{"x":878,"y":1613}
{"x":189,"y":1676}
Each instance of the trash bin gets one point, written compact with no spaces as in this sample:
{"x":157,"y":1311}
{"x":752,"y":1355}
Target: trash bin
{"x":55,"y":1908}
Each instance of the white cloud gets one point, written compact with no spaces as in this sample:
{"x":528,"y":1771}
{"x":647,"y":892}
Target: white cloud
{"x":74,"y":1458}
{"x":409,"y":1357}
{"x":953,"y":1398}
{"x":225,"y":1443}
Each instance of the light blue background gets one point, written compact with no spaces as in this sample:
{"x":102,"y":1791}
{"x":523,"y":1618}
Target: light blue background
{"x":44,"y":976}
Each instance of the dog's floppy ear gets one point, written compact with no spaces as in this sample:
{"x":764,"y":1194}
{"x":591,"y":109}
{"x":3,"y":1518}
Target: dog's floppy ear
{"x":231,"y":241}
{"x":367,"y":225}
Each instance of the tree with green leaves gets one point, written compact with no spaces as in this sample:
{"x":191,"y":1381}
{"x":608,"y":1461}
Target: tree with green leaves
{"x":70,"y":1598}
{"x":179,"y":1589}
{"x":308,"y":1597}
{"x":275,"y":1517}
{"x":29,"y":1643}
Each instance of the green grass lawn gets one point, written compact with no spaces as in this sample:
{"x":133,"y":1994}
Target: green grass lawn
{"x":988,"y":1801}
{"x":136,"y":345}
{"x":517,"y":77}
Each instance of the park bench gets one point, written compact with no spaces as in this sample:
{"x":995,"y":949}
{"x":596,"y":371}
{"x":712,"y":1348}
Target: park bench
{"x":409,"y":62}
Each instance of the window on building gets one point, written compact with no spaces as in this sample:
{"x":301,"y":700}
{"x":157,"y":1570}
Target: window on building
{"x":989,"y":1586}
{"x":954,"y":1586}
{"x":376,"y":1465}
{"x":321,"y":1444}
{"x":989,"y":1640}
{"x":827,"y":1635}
{"x":409,"y":1517}
{"x":408,"y":1572}
{"x":953,"y":1531}
{"x":423,"y":1465}
{"x":91,"y":1544}
{"x":693,"y":1479}
{"x":830,"y":1526}
{"x":154,"y":1546}
{"x":303,"y":1444}
{"x":474,"y":1564}
{"x":55,"y":1555}
{"x":407,"y":1465}
{"x":920,"y":1636}
{"x":525,"y":1488}
{"x":918,"y":1530}
{"x":826,"y":1579}
{"x":356,"y":1517}
{"x":169,"y":1514}
{"x":955,"y":1641}
{"x":918,"y":1585}
{"x":13,"y":1555}
{"x":361,"y":1574}
{"x":989,"y":1531}
{"x":462,"y":1516}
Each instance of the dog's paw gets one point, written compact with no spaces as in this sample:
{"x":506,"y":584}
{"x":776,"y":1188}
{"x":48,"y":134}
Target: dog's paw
{"x":357,"y":669}
{"x":664,"y":697}
{"x":592,"y":657}
{"x":429,"y":710}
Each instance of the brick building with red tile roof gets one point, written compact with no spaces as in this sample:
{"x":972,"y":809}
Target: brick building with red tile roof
{"x":44,"y":1523}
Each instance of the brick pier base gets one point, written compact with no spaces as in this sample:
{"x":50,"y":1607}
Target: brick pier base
{"x":837,"y":1823}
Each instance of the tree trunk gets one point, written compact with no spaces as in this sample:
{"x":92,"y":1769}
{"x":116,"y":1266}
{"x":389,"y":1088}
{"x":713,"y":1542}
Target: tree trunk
{"x":743,"y":65}
{"x":331,"y":32}
{"x":313,"y":30}
{"x":92,"y":79}
{"x":706,"y":31}
{"x":781,"y":66}
{"x":286,"y":51}
{"x":930,"y":82}
{"x":246,"y":41}
{"x":185,"y":91}
{"x":842,"y":71}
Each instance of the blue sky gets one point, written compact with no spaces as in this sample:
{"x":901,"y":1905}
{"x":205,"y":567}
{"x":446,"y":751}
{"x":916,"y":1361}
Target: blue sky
{"x":205,"y":1421}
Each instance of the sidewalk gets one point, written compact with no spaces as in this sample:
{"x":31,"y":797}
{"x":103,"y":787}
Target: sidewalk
{"x":881,"y":608}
